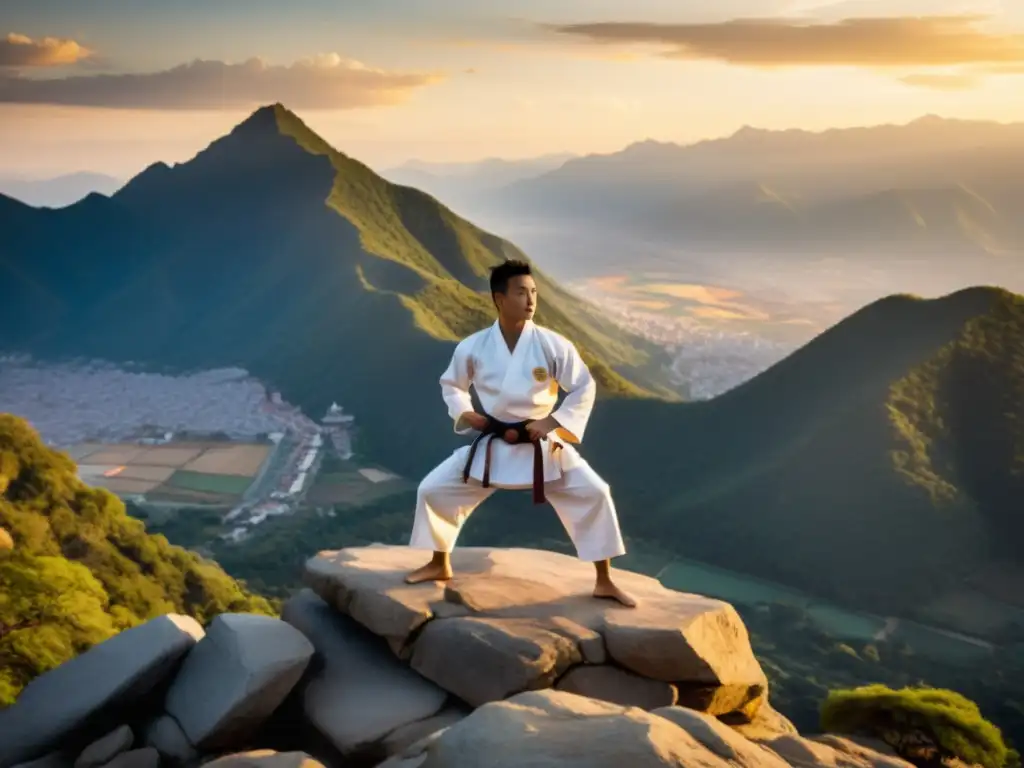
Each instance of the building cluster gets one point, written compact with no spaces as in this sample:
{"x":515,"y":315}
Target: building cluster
{"x":707,"y":360}
{"x":90,"y":401}
{"x":95,"y":402}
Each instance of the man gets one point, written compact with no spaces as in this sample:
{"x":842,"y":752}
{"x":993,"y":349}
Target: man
{"x":516,"y":368}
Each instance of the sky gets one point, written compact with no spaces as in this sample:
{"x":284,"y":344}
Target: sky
{"x":112,"y":86}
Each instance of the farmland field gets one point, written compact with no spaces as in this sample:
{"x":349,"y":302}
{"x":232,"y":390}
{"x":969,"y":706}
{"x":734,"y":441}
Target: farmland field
{"x":198,"y":481}
{"x":230,"y":460}
{"x":166,"y":455}
{"x":145,"y":472}
{"x":127,"y":485}
{"x":182,"y":472}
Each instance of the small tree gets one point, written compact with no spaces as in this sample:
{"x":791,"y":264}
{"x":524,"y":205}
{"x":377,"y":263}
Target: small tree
{"x":923,"y":725}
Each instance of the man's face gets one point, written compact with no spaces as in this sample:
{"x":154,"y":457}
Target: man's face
{"x":519,"y":302}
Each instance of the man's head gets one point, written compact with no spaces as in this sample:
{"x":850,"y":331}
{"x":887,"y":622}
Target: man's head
{"x":514,"y":292}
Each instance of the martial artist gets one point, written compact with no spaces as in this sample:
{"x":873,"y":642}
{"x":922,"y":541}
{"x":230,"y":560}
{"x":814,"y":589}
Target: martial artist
{"x":516,"y":368}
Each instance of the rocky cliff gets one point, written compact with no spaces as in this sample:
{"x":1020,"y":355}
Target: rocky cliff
{"x":512,"y":663}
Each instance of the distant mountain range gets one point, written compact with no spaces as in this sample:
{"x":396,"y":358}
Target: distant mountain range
{"x":880,"y":465}
{"x":460,"y":181}
{"x":930,"y":184}
{"x":59,"y":191}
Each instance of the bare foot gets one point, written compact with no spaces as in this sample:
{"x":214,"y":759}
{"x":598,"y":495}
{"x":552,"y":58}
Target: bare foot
{"x":609,"y":591}
{"x":430,"y":572}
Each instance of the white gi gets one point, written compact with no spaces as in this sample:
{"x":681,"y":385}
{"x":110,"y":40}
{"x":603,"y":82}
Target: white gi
{"x":516,"y":386}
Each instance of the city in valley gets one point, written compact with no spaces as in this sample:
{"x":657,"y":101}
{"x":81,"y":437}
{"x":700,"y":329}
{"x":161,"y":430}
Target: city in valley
{"x":217,"y":439}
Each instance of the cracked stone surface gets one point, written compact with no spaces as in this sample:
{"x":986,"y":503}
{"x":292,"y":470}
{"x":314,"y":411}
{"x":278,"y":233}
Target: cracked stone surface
{"x":527,"y":617}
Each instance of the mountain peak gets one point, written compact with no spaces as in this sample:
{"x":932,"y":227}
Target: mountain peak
{"x":262,"y":120}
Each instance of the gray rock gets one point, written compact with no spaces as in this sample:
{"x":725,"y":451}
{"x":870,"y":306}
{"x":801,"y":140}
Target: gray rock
{"x":110,"y":676}
{"x":802,"y":752}
{"x":618,"y":687}
{"x":105,"y":749}
{"x":720,"y":739}
{"x":147,"y":757}
{"x":516,"y":611}
{"x":360,"y":691}
{"x":165,"y":735}
{"x":553,"y":728}
{"x":235,"y":678}
{"x":265,"y":758}
{"x":483,"y":659}
{"x":59,"y":759}
{"x":405,"y":736}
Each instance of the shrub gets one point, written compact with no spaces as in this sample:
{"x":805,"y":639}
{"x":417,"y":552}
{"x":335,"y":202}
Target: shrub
{"x":923,"y":725}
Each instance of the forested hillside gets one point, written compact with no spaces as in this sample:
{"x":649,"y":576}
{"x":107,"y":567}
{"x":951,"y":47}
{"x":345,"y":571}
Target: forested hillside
{"x":81,"y":569}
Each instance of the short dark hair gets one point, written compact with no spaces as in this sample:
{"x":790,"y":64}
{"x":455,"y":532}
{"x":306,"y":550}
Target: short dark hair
{"x":501,"y":274}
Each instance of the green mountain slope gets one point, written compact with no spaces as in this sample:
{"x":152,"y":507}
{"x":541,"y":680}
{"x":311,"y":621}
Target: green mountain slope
{"x":81,"y":570}
{"x":879,"y":465}
{"x":274,"y":252}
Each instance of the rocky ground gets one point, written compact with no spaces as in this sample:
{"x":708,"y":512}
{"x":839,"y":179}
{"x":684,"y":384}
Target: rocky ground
{"x":512,"y":663}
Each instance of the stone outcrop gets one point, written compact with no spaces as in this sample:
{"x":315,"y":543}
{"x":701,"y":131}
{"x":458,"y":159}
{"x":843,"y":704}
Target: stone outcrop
{"x":528,"y":618}
{"x":101,"y":685}
{"x":235,"y":678}
{"x":513,"y":663}
{"x":360,"y":692}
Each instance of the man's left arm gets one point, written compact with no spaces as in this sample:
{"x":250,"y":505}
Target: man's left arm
{"x":570,"y":418}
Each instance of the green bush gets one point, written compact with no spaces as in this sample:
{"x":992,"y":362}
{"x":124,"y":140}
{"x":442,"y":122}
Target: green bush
{"x":923,"y":725}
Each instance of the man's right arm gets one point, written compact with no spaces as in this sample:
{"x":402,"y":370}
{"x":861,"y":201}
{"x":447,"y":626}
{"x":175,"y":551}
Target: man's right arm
{"x":455,"y":383}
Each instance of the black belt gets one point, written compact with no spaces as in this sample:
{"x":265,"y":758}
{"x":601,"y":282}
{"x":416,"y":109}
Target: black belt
{"x":511,"y":433}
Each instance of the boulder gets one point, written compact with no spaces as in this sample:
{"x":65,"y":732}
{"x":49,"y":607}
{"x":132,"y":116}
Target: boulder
{"x":59,"y":759}
{"x":105,"y":749}
{"x":235,"y":677}
{"x":556,"y":728}
{"x":266,"y":758}
{"x":515,"y":620}
{"x":401,"y":739}
{"x":147,"y":757}
{"x":767,"y":724}
{"x":802,"y":752}
{"x":358,"y":692}
{"x":720,"y":739}
{"x":94,"y":688}
{"x":618,"y":687}
{"x":165,"y":735}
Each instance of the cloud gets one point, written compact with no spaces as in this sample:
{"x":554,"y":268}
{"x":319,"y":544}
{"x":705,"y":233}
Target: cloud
{"x":326,"y":81}
{"x":941,"y":82}
{"x":780,"y":42}
{"x":21,"y":51}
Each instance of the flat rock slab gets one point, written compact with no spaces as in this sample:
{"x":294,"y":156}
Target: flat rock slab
{"x":525,"y":616}
{"x":359,"y":692}
{"x":235,"y":678}
{"x":110,"y":676}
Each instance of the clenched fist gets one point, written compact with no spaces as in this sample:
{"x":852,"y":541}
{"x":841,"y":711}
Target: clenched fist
{"x":475,"y":420}
{"x":540,"y":428}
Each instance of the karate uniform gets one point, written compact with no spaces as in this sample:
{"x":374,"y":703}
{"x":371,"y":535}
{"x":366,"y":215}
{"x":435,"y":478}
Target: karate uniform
{"x":515,"y":386}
